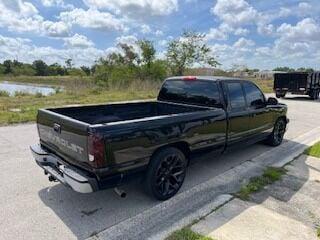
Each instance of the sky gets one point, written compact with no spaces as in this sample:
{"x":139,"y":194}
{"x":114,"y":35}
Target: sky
{"x":257,"y":34}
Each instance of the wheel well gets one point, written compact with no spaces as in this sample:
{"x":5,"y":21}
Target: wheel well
{"x":182,"y":146}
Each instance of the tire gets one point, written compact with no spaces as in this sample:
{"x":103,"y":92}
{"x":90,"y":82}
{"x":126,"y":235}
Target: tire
{"x":314,"y":95}
{"x":166,"y":173}
{"x":280,"y":95}
{"x":317,"y":94}
{"x":276,"y":137}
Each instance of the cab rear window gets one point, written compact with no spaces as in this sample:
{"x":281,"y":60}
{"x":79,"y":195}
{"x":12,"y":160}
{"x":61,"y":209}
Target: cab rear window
{"x":194,"y":92}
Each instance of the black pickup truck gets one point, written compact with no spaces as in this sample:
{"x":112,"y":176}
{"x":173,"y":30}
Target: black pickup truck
{"x":90,"y":148}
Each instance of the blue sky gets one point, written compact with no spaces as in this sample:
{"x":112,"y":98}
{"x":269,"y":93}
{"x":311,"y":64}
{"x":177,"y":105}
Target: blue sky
{"x":257,"y":34}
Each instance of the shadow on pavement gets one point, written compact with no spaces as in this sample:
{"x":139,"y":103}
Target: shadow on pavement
{"x":300,"y":98}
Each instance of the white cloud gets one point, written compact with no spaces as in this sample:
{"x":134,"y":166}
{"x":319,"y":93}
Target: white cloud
{"x":241,"y":32}
{"x":78,"y":41}
{"x":235,"y":12}
{"x":55,"y":29}
{"x":216,"y":34}
{"x":129,"y":40}
{"x":296,"y":44}
{"x":92,"y":18}
{"x":11,"y":48}
{"x":19,"y":16}
{"x":23,"y":8}
{"x":266,"y":29}
{"x":145,"y":28}
{"x":307,"y":29}
{"x":304,"y":7}
{"x":56,"y":3}
{"x":158,"y":33}
{"x":136,"y":8}
{"x":243,"y":43}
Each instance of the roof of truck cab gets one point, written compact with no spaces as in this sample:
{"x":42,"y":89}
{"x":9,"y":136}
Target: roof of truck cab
{"x":209,"y":78}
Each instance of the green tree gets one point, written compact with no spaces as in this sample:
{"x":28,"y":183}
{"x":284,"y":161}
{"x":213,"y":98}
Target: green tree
{"x":130,"y":57}
{"x":148,"y":52}
{"x":188,"y":50}
{"x":8,"y":66}
{"x":40,"y":67}
{"x":68,"y":63}
{"x":56,"y":70}
{"x":302,"y":69}
{"x":284,"y":69}
{"x":2,"y":69}
{"x":24,"y":69}
{"x":86,"y":70}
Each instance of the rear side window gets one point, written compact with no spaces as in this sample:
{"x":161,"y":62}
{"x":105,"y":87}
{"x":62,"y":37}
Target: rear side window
{"x":236,"y":97}
{"x":253,"y":94}
{"x":198,"y":92}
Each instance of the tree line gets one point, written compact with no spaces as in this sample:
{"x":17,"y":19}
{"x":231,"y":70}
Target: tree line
{"x":40,"y":68}
{"x":131,"y":62}
{"x":134,"y":62}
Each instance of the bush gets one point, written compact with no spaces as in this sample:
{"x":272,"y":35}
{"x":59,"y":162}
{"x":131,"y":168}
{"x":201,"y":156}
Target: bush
{"x":4,"y":94}
{"x":21,"y":94}
{"x":39,"y":95}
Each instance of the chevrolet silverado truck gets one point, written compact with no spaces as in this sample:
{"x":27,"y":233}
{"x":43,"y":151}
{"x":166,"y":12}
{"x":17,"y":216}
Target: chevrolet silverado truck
{"x":89,"y":148}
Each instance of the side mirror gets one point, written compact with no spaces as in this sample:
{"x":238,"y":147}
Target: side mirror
{"x":272,"y":101}
{"x":258,"y":104}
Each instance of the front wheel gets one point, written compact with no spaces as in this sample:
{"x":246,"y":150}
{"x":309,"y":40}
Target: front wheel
{"x":166,"y":173}
{"x":276,"y":137}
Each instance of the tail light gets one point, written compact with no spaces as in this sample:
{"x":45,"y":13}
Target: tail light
{"x":96,"y":150}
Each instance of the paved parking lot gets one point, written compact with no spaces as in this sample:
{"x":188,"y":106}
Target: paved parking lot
{"x":34,"y":208}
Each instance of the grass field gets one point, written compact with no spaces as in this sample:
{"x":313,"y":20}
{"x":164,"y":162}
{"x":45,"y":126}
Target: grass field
{"x":78,"y":90}
{"x":314,"y":150}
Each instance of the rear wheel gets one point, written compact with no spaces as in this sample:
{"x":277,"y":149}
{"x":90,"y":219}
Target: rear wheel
{"x":280,"y":95}
{"x":315,"y":94}
{"x":166,"y":173}
{"x":276,"y":137}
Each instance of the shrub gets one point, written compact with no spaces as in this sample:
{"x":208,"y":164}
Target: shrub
{"x":4,"y":94}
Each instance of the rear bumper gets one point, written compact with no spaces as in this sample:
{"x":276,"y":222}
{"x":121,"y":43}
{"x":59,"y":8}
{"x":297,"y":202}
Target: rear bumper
{"x":67,"y":175}
{"x":300,"y":91}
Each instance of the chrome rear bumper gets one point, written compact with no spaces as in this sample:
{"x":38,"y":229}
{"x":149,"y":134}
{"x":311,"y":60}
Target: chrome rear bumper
{"x":67,"y":175}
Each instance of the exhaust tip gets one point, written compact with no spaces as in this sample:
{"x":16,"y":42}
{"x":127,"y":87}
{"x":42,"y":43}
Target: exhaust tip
{"x":120,"y":192}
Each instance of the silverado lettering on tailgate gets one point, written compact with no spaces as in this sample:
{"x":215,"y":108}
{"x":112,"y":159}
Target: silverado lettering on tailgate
{"x":60,"y":141}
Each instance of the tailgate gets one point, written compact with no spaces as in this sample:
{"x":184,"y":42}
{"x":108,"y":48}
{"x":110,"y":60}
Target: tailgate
{"x":291,"y":81}
{"x":64,"y":136}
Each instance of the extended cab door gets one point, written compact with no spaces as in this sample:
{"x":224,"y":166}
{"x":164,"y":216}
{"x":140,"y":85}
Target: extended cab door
{"x":260,"y":121}
{"x":238,"y":123}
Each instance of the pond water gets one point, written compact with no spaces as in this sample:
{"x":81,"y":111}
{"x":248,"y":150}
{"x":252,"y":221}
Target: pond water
{"x":11,"y":88}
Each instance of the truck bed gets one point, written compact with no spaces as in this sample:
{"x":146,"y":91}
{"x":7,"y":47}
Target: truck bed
{"x":102,"y":114}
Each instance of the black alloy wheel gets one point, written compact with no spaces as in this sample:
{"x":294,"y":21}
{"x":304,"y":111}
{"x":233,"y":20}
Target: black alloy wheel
{"x":276,"y":137}
{"x":166,"y":173}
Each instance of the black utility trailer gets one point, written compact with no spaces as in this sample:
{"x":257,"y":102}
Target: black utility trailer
{"x":301,"y":83}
